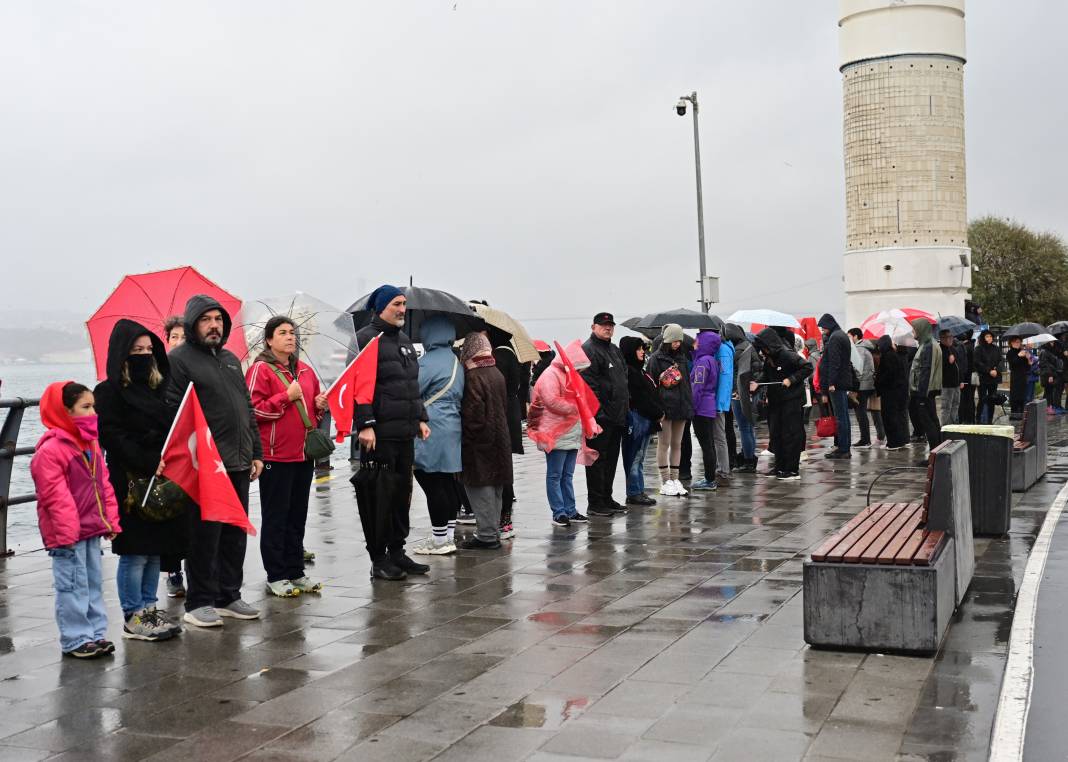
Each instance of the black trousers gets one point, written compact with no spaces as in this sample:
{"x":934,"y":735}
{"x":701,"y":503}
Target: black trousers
{"x":967,"y":404}
{"x":384,"y":495}
{"x":860,"y":408}
{"x":702,"y":427}
{"x":686,"y":459}
{"x":507,"y":498}
{"x":213,"y":565}
{"x":285,"y":489}
{"x":442,"y":496}
{"x":732,"y":440}
{"x":895,"y":419}
{"x":924,"y":416}
{"x":786,"y":422}
{"x":602,"y":473}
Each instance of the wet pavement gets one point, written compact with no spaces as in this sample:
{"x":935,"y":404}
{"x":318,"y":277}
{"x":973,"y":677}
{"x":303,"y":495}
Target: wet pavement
{"x":673,"y":633}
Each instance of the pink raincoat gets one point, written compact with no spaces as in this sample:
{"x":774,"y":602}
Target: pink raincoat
{"x":554,"y":409}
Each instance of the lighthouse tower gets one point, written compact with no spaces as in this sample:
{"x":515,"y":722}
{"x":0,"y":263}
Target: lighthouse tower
{"x":902,"y":65}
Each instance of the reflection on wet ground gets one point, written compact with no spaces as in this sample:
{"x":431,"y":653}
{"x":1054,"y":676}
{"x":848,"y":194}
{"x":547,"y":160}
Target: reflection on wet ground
{"x":670,"y":633}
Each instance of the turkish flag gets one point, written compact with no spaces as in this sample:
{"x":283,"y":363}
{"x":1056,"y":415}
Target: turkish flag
{"x":355,"y":386}
{"x":586,"y":400}
{"x":192,"y":461}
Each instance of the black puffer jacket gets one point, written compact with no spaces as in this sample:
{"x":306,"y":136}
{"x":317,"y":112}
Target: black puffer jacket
{"x":676,"y":400}
{"x":397,"y":408}
{"x":607,"y":377}
{"x":781,"y":363}
{"x":134,"y":422}
{"x":987,"y":357}
{"x":642,"y":388}
{"x":836,"y":366}
{"x":220,"y":384}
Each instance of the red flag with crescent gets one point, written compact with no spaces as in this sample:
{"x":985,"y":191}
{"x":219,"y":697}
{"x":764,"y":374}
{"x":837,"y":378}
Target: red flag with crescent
{"x":192,"y":461}
{"x":355,"y":386}
{"x":586,"y":400}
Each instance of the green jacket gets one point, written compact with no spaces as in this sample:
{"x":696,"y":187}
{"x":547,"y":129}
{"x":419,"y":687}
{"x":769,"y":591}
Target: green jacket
{"x":925,"y":376}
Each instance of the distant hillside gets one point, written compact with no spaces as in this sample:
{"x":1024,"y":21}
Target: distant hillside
{"x":36,"y":336}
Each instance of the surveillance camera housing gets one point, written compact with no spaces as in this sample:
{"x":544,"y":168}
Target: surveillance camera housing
{"x":888,"y":268}
{"x":680,"y":108}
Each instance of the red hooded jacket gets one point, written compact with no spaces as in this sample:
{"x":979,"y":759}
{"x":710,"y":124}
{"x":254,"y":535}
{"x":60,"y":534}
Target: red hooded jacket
{"x":75,"y":499}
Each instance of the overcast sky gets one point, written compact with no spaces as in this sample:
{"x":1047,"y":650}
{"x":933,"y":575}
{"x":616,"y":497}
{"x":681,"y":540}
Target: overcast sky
{"x":527,"y":153}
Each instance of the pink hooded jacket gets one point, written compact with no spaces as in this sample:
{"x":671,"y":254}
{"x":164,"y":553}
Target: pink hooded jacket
{"x":75,"y":499}
{"x":553,"y":412}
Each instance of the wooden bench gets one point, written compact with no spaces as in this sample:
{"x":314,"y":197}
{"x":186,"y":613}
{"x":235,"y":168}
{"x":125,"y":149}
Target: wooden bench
{"x":891,"y":577}
{"x":1029,"y":447}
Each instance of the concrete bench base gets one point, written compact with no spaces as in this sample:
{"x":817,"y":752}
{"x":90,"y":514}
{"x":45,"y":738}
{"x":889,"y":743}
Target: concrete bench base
{"x":904,"y":609}
{"x":1024,"y":468}
{"x":1029,"y":463}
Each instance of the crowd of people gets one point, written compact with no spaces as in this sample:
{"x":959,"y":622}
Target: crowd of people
{"x":450,"y":420}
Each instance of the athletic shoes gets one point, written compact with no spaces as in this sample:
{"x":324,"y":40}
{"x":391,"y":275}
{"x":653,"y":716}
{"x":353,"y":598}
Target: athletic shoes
{"x":282,"y":588}
{"x":561,"y":521}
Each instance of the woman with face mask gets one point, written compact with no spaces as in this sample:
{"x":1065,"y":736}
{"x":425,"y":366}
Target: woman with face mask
{"x":134,"y":423}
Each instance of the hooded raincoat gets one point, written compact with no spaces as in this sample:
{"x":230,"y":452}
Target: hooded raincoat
{"x":925,"y":376}
{"x":705,"y":374}
{"x":441,"y":385}
{"x":134,"y":421}
{"x":75,"y":499}
{"x":554,"y":421}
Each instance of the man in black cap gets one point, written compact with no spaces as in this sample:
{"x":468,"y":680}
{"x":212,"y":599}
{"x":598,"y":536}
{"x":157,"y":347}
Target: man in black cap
{"x":607,"y":376}
{"x":387,"y":428}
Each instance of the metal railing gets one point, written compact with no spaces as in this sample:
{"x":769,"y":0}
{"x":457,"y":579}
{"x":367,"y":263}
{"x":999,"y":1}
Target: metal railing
{"x":9,"y":450}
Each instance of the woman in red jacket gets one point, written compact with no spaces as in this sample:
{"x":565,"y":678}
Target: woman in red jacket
{"x":287,"y":402}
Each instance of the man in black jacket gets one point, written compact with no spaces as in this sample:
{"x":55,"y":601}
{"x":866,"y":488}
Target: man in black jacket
{"x":784,"y":373}
{"x":217,"y":551}
{"x":607,"y":377}
{"x":387,"y":428}
{"x":836,"y":379}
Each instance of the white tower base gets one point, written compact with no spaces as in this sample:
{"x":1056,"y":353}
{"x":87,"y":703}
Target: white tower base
{"x":932,"y":278}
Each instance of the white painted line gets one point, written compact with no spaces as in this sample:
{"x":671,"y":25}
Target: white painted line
{"x":1010,"y":723}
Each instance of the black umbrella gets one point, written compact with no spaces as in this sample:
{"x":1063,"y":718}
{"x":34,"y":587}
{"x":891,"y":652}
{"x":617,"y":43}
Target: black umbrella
{"x":424,"y":303}
{"x":1023,"y":330}
{"x":686,"y":318}
{"x":955,"y":325}
{"x":1061,"y":326}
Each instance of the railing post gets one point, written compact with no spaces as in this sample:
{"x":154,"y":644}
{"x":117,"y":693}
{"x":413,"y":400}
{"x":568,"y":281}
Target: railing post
{"x":9,"y":436}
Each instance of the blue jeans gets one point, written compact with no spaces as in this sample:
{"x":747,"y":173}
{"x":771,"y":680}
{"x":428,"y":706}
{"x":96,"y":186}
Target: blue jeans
{"x":635,"y":443}
{"x":559,"y":481}
{"x":840,"y":404}
{"x":745,"y":428}
{"x":76,"y":577}
{"x":138,"y":580}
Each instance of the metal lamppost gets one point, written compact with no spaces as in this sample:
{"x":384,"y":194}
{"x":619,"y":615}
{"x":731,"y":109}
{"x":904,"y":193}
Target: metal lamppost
{"x":705,"y":282}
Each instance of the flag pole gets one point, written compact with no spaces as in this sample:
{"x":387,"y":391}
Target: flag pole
{"x":167,"y":441}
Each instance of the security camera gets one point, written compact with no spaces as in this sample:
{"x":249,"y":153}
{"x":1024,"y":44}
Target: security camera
{"x":680,"y":107}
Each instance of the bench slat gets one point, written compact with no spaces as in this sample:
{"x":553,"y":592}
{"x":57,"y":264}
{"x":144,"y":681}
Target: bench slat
{"x":908,"y":550}
{"x":895,"y":534}
{"x":820,"y":553}
{"x":930,"y":545}
{"x":888,"y":516}
{"x":837,"y":554}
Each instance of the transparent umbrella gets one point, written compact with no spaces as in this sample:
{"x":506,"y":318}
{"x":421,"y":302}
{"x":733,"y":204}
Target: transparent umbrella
{"x":325,"y":334}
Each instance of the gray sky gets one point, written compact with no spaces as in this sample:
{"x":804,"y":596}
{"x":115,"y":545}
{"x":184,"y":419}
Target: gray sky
{"x":523,"y":152}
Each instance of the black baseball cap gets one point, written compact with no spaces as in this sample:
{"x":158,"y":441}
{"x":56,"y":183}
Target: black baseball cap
{"x":604,"y":318}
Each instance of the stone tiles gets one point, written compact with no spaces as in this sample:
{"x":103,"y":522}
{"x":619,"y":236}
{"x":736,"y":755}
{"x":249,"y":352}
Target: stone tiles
{"x":673,"y":633}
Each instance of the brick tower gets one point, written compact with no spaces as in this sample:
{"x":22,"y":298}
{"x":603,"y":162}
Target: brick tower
{"x":902,"y":67}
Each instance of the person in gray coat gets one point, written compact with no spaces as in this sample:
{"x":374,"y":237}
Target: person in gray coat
{"x":866,"y":387}
{"x":438,"y":460}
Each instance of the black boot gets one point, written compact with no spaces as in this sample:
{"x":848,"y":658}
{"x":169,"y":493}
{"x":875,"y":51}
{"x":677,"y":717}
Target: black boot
{"x":384,"y":568}
{"x":405,"y":564}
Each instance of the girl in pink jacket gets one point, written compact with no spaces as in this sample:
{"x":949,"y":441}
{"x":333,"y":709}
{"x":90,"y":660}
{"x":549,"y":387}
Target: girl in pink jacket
{"x":76,"y":506}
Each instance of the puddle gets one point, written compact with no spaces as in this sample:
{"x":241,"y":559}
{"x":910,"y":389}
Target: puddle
{"x":547,"y":712}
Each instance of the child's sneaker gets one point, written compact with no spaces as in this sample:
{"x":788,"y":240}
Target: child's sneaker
{"x":307,"y":585}
{"x":85,"y":651}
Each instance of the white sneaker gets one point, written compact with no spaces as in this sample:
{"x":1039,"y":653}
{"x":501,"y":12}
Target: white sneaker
{"x":804,"y":456}
{"x":668,"y":488}
{"x":430,"y":548}
{"x":306,"y":584}
{"x":679,"y":489}
{"x":283,"y":588}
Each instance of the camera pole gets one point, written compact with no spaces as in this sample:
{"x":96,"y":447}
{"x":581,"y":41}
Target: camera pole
{"x":692,"y":98}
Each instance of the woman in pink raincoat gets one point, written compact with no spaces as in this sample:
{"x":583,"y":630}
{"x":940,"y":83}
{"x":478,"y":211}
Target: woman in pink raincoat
{"x":555,"y":424}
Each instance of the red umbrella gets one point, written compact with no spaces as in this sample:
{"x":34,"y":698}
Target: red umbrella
{"x":151,"y":298}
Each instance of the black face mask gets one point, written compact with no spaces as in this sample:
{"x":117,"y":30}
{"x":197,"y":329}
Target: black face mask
{"x":140,"y":367}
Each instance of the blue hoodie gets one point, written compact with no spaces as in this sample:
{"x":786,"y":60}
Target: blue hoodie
{"x":725,"y":390}
{"x":440,"y":453}
{"x":705,"y":375}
